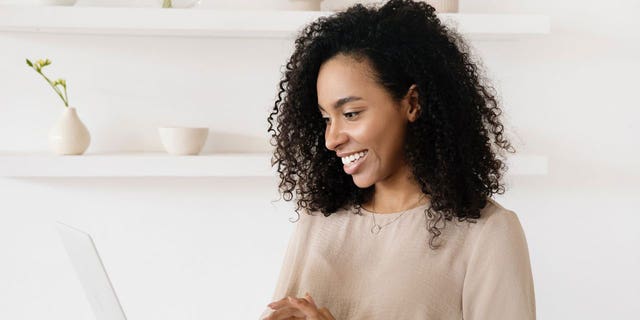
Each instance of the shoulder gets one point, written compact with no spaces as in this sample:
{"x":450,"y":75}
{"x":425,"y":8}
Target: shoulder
{"x":497,"y":227}
{"x":495,"y":216}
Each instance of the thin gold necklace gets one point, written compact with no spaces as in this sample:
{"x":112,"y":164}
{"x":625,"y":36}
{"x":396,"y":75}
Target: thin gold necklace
{"x":375,"y":229}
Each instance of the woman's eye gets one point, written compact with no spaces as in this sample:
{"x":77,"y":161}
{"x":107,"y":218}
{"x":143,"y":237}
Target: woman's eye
{"x":351,"y":113}
{"x":348,"y":115}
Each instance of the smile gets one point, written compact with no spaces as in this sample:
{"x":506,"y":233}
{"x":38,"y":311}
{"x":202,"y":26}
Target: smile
{"x":353,"y":162}
{"x":354,"y":157}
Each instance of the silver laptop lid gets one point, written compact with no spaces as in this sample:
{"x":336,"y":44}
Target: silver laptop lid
{"x":91,"y":272}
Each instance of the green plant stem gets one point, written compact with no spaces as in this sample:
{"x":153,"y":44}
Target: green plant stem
{"x":66,"y":96}
{"x":54,"y":88}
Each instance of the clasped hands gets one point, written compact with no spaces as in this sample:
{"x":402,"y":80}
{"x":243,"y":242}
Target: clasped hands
{"x":295,"y":308}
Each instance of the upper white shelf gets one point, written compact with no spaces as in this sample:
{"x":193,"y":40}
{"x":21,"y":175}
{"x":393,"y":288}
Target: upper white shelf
{"x":215,"y":23}
{"x":158,"y":164}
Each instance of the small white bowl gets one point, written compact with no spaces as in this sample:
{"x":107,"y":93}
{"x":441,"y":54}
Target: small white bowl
{"x":183,"y":140}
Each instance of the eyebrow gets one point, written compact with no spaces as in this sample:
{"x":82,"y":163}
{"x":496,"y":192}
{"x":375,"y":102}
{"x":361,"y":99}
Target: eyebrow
{"x":342,"y":101}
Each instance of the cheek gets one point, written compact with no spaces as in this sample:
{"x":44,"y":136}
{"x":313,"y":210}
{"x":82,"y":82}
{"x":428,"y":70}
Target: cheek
{"x":372,"y":136}
{"x":387,"y":143}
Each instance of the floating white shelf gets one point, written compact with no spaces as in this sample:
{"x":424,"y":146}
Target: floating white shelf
{"x":23,"y":165}
{"x":216,"y":23}
{"x":150,"y":164}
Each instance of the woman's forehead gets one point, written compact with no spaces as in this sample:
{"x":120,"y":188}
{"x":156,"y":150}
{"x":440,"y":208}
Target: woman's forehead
{"x":346,"y":67}
{"x":341,"y":81}
{"x":340,"y":102}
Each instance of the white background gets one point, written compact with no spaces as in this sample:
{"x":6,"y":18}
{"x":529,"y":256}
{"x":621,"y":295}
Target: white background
{"x":211,"y":248}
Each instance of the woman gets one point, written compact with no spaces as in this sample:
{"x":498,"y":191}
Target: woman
{"x":388,"y":136}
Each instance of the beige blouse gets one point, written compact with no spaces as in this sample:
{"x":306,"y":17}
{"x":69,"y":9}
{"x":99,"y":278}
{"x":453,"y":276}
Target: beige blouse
{"x":482,"y":271}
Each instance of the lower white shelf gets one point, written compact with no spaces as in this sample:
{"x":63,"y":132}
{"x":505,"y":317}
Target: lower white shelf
{"x":159,"y":164}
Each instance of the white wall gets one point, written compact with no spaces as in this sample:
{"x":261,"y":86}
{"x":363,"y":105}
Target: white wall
{"x":199,"y":248}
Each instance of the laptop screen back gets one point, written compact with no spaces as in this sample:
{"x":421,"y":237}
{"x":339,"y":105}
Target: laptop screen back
{"x":91,"y":272}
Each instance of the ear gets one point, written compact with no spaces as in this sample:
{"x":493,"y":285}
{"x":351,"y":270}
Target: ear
{"x":413,"y":103}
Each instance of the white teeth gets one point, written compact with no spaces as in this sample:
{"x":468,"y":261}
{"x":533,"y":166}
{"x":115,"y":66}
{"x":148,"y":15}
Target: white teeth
{"x":353,"y":157}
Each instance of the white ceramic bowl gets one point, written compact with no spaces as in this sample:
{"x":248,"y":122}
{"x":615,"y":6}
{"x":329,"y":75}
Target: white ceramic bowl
{"x":183,"y":140}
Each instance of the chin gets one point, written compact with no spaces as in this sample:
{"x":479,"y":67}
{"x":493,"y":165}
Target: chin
{"x":362,"y":182}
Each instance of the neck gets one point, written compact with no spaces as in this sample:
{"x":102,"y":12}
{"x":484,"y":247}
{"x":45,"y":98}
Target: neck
{"x":396,"y":195}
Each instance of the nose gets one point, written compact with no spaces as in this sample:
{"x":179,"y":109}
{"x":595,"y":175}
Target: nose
{"x":334,"y":136}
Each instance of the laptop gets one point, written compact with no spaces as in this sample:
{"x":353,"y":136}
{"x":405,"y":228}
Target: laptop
{"x":91,"y":272}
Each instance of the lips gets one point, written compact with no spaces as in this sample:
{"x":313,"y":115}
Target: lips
{"x":353,"y":167}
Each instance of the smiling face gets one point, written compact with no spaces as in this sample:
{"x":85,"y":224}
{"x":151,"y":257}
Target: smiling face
{"x":363,"y":119}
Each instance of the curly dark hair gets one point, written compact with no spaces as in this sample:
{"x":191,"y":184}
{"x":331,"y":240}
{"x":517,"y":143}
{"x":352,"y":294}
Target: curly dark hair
{"x":454,"y":145}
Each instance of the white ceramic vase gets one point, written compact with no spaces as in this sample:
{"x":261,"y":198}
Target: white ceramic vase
{"x":69,"y":136}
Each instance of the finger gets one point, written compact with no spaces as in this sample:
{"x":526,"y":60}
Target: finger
{"x":278,"y":303}
{"x":286,"y":313}
{"x":275,"y":305}
{"x":284,"y":304}
{"x":305,"y":306}
{"x":310,"y":299}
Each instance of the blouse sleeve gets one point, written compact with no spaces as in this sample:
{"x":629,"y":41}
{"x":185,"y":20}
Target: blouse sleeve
{"x":288,"y":267}
{"x":498,"y":284}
